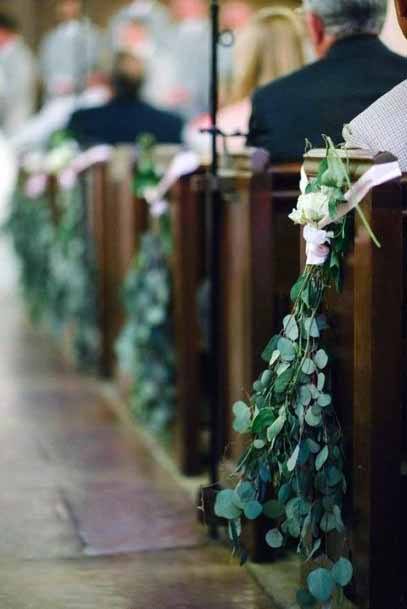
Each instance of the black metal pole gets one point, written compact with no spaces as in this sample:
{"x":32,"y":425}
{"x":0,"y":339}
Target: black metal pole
{"x":214,"y":212}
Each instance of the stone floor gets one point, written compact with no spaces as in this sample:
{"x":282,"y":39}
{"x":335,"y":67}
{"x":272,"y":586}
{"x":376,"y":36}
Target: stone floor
{"x":88,"y":519}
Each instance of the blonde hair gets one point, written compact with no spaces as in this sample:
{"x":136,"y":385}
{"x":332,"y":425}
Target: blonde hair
{"x":270,"y":46}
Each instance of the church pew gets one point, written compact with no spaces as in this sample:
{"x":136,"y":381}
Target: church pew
{"x":187,"y":209}
{"x":117,"y":221}
{"x":365,"y":340}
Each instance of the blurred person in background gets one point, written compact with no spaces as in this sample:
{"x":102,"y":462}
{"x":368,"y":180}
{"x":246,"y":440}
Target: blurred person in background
{"x":18,"y":78}
{"x":56,"y":113}
{"x":383,"y":126}
{"x":269,"y":47}
{"x":159,"y":68}
{"x":190,"y":52}
{"x":126,"y":116}
{"x":68,"y":52}
{"x":151,"y":12}
{"x":355,"y":68}
{"x":234,"y":15}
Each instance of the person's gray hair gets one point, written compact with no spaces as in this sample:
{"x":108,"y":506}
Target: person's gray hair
{"x":349,"y":17}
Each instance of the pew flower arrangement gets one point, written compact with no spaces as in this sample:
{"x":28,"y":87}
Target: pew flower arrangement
{"x":145,"y":346}
{"x":292,"y":470}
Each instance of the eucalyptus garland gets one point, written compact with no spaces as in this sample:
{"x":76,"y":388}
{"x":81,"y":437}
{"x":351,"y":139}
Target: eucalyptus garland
{"x":73,"y":281}
{"x":293,"y":470}
{"x":57,"y":267}
{"x":146,"y":345}
{"x":30,"y":226}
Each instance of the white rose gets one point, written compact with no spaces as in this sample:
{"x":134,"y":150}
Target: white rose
{"x":314,"y":206}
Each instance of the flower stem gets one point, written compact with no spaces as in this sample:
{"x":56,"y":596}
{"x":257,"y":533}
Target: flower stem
{"x":368,"y":227}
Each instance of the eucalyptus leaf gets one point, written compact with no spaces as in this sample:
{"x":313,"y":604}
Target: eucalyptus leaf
{"x":322,"y":458}
{"x":286,"y":349}
{"x":321,"y":359}
{"x":342,"y":572}
{"x":324,"y":400}
{"x":311,"y":327}
{"x":321,"y":584}
{"x":252,"y":510}
{"x":308,"y":366}
{"x":259,"y":444}
{"x":274,"y":429}
{"x":292,"y":461}
{"x":274,"y":538}
{"x":225,"y":505}
{"x":311,"y":419}
{"x":275,"y":356}
{"x":273,"y":509}
{"x":291,"y":327}
{"x":321,"y":381}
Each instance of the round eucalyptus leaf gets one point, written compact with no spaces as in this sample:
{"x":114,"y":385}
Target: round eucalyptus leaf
{"x":324,"y":400}
{"x":259,"y":444}
{"x":321,"y":584}
{"x":225,"y":505}
{"x":286,"y":349}
{"x":305,"y":395}
{"x":273,"y":509}
{"x":266,"y":378}
{"x":342,"y":572}
{"x":312,"y":419}
{"x":274,"y":538}
{"x":290,"y":327}
{"x":252,"y":510}
{"x":308,"y":366}
{"x":321,"y":359}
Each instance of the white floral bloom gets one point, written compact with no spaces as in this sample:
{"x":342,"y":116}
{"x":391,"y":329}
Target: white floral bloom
{"x":311,"y":208}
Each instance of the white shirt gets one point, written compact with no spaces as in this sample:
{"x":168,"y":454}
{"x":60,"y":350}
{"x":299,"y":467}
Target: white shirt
{"x":383,"y":126}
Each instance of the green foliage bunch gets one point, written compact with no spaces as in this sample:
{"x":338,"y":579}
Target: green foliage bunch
{"x":73,"y":280}
{"x":146,"y":344}
{"x":30,"y":226}
{"x":293,"y":470}
{"x":57,"y":267}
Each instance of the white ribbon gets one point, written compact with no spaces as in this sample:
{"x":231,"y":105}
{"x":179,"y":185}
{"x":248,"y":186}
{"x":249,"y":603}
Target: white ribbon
{"x":183,"y":164}
{"x":376,"y":175}
{"x":316,"y":238}
{"x":97,"y":154}
{"x":316,"y":249}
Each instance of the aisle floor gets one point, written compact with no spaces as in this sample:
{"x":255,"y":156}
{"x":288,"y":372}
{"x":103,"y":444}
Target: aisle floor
{"x":88,"y":519}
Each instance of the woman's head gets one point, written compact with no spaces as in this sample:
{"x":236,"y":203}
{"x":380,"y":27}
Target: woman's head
{"x":270,"y":46}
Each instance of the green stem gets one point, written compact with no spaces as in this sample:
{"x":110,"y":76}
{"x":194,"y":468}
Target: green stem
{"x":368,"y":227}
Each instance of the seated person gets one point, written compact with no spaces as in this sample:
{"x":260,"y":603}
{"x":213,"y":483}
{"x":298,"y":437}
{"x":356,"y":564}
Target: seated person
{"x":269,"y":47}
{"x":355,"y":69}
{"x":383,"y":126}
{"x":56,"y":113}
{"x":126,"y":116}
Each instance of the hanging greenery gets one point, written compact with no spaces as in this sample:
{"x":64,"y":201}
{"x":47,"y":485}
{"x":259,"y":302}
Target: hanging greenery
{"x":146,"y":344}
{"x":30,"y":226}
{"x":293,"y":469}
{"x":73,"y":283}
{"x":58,"y":270}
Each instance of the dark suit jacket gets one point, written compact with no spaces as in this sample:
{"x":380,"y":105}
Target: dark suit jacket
{"x":323,"y":97}
{"x":121,"y":121}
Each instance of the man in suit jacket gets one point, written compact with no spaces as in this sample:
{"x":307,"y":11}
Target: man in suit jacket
{"x":383,"y":126}
{"x":353,"y":71}
{"x":126,"y":116}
